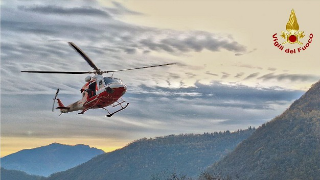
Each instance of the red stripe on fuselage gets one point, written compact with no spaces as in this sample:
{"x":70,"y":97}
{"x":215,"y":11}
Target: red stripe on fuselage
{"x":104,"y":99}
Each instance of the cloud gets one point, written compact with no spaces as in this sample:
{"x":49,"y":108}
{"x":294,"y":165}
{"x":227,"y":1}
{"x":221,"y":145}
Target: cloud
{"x":190,"y":75}
{"x":174,"y":76}
{"x":220,"y":95}
{"x":214,"y":101}
{"x":130,"y":50}
{"x":107,"y":37}
{"x":192,"y":41}
{"x":225,"y":75}
{"x":248,"y":66}
{"x":212,"y":74}
{"x":121,"y":10}
{"x":57,"y":10}
{"x":290,"y":77}
{"x":272,"y":69}
{"x":253,"y":75}
{"x":239,"y":75}
{"x":228,"y":92}
{"x":156,"y":46}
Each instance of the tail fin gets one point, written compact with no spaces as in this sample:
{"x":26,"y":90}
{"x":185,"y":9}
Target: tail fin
{"x":62,"y":108}
{"x":60,"y":105}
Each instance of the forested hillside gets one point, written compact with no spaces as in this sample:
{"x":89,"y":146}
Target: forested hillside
{"x":286,"y":148}
{"x":17,"y":175}
{"x":145,"y":159}
{"x":49,"y":159}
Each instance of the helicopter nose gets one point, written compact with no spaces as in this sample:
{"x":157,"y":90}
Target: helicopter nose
{"x":116,"y":85}
{"x":118,"y":88}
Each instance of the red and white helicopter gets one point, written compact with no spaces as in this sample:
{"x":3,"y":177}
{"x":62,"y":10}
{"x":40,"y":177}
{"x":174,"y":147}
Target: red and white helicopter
{"x":99,"y":91}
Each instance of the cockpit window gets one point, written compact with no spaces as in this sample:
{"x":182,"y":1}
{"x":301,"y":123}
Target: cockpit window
{"x":108,"y":80}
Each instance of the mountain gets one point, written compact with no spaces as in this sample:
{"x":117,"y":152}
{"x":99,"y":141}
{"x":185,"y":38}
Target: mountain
{"x":156,"y":158}
{"x":18,"y":175}
{"x":49,"y":159}
{"x":288,"y":147}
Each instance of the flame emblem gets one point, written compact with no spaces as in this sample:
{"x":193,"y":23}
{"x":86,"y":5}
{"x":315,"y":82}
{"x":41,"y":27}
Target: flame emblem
{"x":292,"y":35}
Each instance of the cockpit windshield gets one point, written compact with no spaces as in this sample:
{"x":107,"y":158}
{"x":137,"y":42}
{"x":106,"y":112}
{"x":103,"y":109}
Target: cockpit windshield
{"x":109,"y":80}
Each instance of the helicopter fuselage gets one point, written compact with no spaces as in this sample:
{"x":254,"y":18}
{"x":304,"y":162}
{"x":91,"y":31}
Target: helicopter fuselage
{"x":98,"y":92}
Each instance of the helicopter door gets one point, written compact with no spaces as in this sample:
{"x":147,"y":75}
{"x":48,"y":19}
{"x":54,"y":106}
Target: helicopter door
{"x":92,"y":89}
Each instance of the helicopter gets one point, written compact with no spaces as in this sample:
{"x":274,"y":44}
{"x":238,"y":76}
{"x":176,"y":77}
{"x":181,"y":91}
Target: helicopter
{"x":98,"y":91}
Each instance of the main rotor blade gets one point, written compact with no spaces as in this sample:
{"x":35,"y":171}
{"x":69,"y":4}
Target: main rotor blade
{"x":85,"y":57}
{"x":144,"y":67}
{"x":60,"y":72}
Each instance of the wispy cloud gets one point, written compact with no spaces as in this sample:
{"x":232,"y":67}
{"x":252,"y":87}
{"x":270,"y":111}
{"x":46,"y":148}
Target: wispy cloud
{"x":57,"y":10}
{"x":192,"y":41}
{"x":253,"y":75}
{"x":289,"y":77}
{"x":212,"y":74}
{"x":120,"y":10}
{"x":248,"y":66}
{"x":239,"y":75}
{"x":272,"y":69}
{"x":225,"y":75}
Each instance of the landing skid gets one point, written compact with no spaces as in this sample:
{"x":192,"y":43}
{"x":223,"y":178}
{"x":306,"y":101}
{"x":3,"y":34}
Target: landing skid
{"x":118,"y":103}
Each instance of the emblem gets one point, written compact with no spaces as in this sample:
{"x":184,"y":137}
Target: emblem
{"x":292,"y":35}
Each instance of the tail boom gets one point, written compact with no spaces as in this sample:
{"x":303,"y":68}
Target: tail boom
{"x":72,"y":107}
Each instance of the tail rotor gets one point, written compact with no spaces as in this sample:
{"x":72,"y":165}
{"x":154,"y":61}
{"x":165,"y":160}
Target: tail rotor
{"x":54,"y":99}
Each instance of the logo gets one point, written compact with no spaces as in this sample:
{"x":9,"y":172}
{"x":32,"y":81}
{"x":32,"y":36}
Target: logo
{"x":292,"y":35}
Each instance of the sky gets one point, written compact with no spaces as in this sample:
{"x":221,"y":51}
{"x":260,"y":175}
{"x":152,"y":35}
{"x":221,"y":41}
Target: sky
{"x":228,"y":76}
